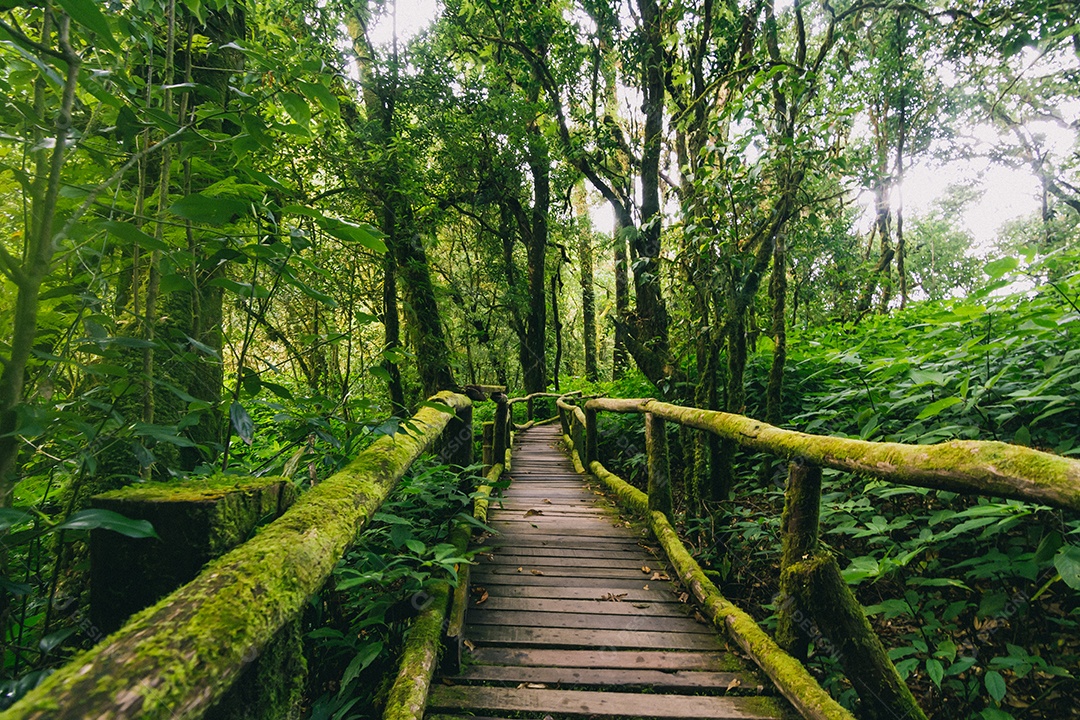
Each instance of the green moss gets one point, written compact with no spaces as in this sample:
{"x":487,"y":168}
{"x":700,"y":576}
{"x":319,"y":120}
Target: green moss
{"x":968,"y":466}
{"x":176,"y":658}
{"x":408,"y":696}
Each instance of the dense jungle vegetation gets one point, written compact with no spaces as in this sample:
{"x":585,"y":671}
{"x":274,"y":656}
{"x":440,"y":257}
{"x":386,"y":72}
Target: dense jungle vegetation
{"x":245,"y":238}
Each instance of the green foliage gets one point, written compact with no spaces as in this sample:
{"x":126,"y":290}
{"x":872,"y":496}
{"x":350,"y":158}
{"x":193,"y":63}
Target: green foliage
{"x":380,"y":585}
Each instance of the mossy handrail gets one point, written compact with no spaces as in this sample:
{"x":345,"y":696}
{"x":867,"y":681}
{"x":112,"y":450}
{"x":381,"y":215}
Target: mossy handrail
{"x":810,"y":580}
{"x":177,"y":657}
{"x":966,"y":466}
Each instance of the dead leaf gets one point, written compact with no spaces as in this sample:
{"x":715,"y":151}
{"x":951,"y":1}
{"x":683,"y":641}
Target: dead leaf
{"x":613,"y":597}
{"x":735,"y":682}
{"x":530,"y":512}
{"x":469,"y":645}
{"x":684,"y":597}
{"x":641,"y":606}
{"x":646,"y":569}
{"x":537,"y":572}
{"x":659,"y":576}
{"x":521,"y":569}
{"x":645,"y":586}
{"x":547,"y":501}
{"x":483,"y":598}
{"x":536,"y":686}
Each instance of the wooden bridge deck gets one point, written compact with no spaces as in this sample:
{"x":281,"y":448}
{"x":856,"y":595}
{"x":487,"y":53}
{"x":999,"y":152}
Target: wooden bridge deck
{"x":572,"y":615}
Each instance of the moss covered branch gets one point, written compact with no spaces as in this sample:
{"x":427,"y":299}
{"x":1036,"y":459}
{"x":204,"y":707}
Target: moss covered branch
{"x":174,"y":659}
{"x":966,"y":466}
{"x":819,"y":587}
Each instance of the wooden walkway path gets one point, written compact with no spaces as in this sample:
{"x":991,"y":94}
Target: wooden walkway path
{"x":572,"y":615}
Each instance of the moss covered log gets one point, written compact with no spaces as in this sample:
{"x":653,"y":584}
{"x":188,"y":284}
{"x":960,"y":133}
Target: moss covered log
{"x":407,"y":699}
{"x":787,"y":673}
{"x":966,"y":466}
{"x":820,"y":588}
{"x":174,"y":659}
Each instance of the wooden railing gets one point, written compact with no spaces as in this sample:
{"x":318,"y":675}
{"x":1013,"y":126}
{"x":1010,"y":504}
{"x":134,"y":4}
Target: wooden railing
{"x":811,"y":585}
{"x":178,"y":657}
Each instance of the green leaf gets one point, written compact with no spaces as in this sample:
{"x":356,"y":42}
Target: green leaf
{"x":135,"y":236}
{"x":1067,"y":563}
{"x":108,"y":520}
{"x":364,"y":235}
{"x":242,"y":422}
{"x":13,"y":516}
{"x":87,"y":14}
{"x":997,"y":268}
{"x":995,"y":685}
{"x":935,"y":670}
{"x":367,"y":655}
{"x":935,"y":408}
{"x":417,"y":546}
{"x":317,"y":92}
{"x":380,"y":372}
{"x":210,"y":210}
{"x":297,"y":108}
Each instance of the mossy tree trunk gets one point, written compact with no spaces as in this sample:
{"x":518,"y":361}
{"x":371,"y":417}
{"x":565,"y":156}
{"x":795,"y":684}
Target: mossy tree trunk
{"x":799,"y":538}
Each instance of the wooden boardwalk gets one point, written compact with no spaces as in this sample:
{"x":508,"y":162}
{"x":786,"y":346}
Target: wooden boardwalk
{"x":572,"y":615}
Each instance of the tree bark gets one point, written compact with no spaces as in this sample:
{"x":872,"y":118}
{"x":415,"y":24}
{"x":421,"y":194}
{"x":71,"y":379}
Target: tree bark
{"x":588,"y":305}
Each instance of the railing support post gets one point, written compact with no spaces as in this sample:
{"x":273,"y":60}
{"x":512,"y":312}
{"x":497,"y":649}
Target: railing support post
{"x":591,"y":454}
{"x":502,"y":427}
{"x":457,"y":440}
{"x":659,"y":470}
{"x":799,"y":540}
{"x":487,"y":445}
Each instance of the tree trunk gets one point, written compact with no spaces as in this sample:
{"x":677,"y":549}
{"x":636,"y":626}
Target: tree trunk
{"x":620,"y":356}
{"x":588,"y":305}
{"x":778,"y":291}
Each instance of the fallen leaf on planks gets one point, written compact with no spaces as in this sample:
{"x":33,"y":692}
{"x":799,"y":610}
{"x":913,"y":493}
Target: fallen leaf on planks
{"x":735,"y":682}
{"x":537,"y":572}
{"x":613,"y":597}
{"x":659,"y":576}
{"x":530,"y":512}
{"x":483,"y":598}
{"x":547,"y":501}
{"x":646,"y":569}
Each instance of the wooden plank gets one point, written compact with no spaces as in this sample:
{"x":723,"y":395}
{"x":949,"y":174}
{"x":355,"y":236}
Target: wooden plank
{"x":557,"y":571}
{"x":481,"y":615}
{"x":517,"y":590}
{"x":570,"y":638}
{"x":544,"y":553}
{"x":482,"y":577}
{"x":628,"y":562}
{"x":652,"y":608}
{"x":583,"y":703}
{"x":593,"y":658}
{"x":539,"y":539}
{"x":656,"y":680}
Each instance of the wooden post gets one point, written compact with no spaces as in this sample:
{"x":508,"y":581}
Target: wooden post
{"x":659,"y":471}
{"x":591,"y":453}
{"x":457,"y":439}
{"x":502,"y":427}
{"x":799,"y":538}
{"x":487,"y":433}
